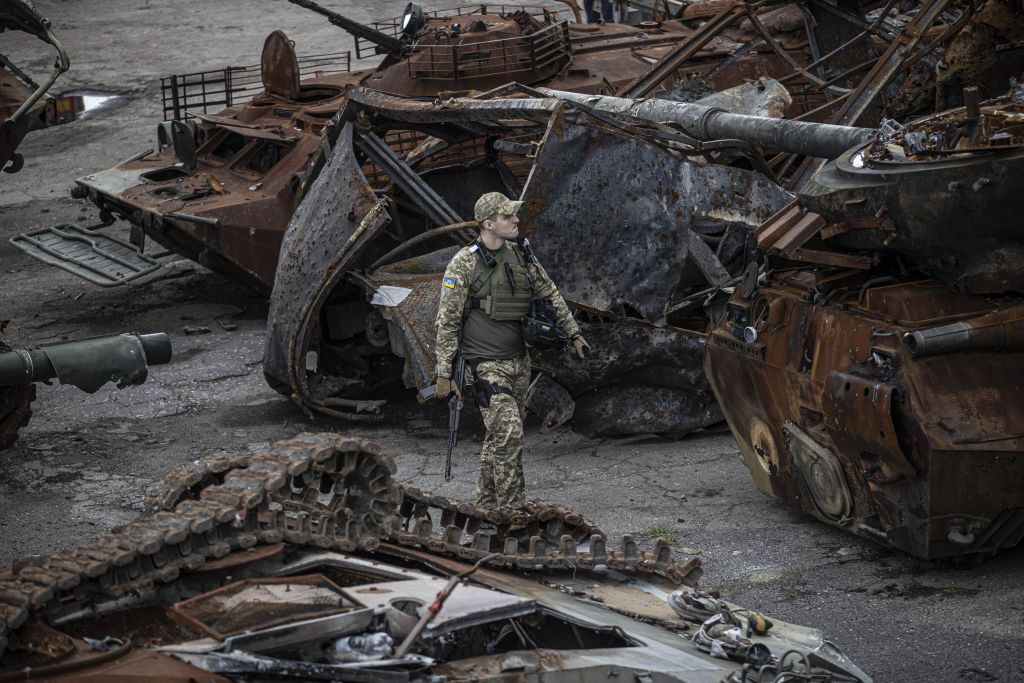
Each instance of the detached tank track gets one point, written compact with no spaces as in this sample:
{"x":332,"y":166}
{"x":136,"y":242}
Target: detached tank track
{"x":317,"y":490}
{"x":259,"y":503}
{"x":538,"y":535}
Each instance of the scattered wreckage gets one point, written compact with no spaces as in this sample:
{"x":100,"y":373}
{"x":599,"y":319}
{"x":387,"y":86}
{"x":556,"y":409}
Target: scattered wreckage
{"x":24,"y":104}
{"x":222,"y":183}
{"x":209,"y":169}
{"x":87,"y":364}
{"x":833,"y":412}
{"x":309,"y":562}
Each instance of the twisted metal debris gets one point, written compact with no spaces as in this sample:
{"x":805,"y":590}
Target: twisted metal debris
{"x":315,"y":490}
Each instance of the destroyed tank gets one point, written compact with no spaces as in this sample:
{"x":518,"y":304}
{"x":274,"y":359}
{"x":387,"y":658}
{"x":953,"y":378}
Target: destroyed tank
{"x":24,"y":104}
{"x":87,"y":364}
{"x":308,"y":561}
{"x":872,"y":375}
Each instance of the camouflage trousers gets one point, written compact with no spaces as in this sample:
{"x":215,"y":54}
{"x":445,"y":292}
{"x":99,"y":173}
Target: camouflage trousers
{"x":501,"y":458}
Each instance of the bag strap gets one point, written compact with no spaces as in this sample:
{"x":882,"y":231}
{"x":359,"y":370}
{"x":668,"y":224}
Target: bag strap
{"x":487,"y":272}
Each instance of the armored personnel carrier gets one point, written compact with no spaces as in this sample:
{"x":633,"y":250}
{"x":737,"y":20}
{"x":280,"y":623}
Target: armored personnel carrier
{"x":872,"y":375}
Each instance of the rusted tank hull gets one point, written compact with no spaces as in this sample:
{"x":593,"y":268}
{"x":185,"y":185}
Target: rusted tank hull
{"x":835,"y":415}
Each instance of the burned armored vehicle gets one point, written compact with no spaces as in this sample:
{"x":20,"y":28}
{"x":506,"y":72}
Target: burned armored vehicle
{"x":87,"y":364}
{"x":872,"y":375}
{"x":24,"y":104}
{"x":240,"y":146}
{"x":309,"y":562}
{"x":222,"y":183}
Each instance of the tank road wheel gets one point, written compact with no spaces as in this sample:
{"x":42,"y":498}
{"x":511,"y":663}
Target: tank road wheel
{"x":15,"y":410}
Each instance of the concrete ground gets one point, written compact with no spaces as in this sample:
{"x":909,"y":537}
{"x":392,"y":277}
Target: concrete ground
{"x":83,"y":462}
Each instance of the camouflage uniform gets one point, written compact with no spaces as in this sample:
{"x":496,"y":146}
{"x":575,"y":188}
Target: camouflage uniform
{"x":501,"y":458}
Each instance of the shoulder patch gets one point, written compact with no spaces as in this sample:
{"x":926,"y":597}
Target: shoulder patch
{"x":449,"y":282}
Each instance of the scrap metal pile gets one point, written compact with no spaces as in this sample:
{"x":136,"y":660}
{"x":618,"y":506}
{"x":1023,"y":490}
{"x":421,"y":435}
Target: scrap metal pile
{"x":309,"y":562}
{"x":866,"y":357}
{"x":221,"y":187}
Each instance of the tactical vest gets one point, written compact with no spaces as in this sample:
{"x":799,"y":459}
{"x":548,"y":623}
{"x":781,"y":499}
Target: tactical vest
{"x":511,"y":286}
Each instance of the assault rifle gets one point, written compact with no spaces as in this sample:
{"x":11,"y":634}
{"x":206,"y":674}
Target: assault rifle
{"x":455,"y":406}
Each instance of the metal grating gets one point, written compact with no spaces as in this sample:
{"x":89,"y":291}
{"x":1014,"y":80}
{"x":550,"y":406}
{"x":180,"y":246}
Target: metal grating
{"x":100,"y":259}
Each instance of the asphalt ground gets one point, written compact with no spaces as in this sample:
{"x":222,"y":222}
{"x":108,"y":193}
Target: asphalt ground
{"x":84,"y":461}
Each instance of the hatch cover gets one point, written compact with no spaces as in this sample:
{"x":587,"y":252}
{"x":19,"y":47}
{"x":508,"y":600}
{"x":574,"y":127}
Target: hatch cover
{"x":100,"y":259}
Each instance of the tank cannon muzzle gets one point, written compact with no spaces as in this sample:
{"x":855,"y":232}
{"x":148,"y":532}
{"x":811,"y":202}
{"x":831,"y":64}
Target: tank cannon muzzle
{"x":997,"y":331}
{"x":88,"y":363}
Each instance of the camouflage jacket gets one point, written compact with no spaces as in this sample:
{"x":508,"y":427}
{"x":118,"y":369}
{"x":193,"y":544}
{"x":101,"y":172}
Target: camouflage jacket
{"x":454,"y":290}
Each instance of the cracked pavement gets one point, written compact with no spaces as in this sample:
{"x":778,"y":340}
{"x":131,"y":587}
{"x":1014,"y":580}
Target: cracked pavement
{"x":83,"y":462}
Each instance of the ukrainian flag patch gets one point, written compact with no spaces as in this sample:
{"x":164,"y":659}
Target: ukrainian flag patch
{"x":449,"y":282}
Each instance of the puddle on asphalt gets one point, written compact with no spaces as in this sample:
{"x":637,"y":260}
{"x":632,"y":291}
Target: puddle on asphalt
{"x":76,"y":105}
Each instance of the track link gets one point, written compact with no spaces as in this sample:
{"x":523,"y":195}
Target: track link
{"x":538,"y":535}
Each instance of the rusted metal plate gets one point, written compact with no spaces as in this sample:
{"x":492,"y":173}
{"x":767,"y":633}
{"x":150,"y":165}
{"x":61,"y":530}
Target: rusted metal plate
{"x":280,"y":67}
{"x":613,"y":241}
{"x":255,"y":604}
{"x":858,"y":413}
{"x":340,"y":218}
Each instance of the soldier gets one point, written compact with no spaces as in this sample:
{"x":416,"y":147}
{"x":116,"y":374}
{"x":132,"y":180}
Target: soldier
{"x":487,"y":289}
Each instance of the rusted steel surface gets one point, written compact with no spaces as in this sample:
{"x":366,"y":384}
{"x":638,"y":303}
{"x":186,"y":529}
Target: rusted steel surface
{"x":25,"y":104}
{"x":303,"y":613}
{"x":881,"y":394}
{"x":340,"y":219}
{"x":929,"y":449}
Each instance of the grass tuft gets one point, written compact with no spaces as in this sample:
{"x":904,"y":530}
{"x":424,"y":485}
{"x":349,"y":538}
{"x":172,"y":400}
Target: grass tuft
{"x":663,"y":531}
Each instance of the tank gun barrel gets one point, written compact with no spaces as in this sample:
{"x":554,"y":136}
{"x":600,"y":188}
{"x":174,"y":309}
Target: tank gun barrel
{"x":393,"y":46}
{"x":823,"y":140}
{"x":88,"y":363}
{"x":999,"y":330}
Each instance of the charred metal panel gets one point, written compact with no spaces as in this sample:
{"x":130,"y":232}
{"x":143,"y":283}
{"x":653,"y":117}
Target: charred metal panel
{"x":339,"y":218}
{"x":638,"y":379}
{"x":612,"y":239}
